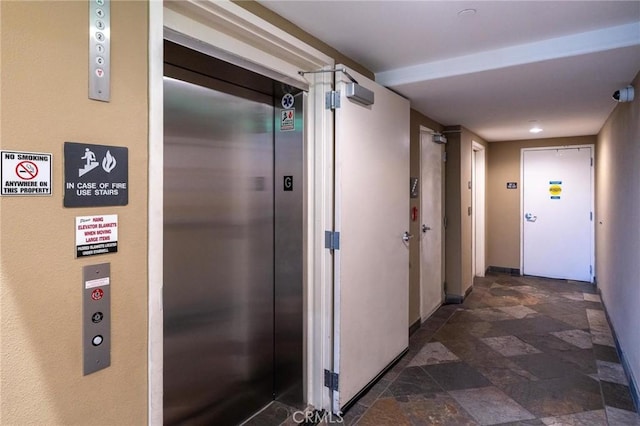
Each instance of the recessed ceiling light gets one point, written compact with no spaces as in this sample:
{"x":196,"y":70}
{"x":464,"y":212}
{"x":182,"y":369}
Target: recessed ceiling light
{"x":467,"y":12}
{"x":535,"y":126}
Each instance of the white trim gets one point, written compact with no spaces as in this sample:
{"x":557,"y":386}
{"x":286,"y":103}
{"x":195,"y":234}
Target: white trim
{"x":424,"y":315}
{"x":235,"y":34}
{"x":155,"y":227}
{"x":240,"y":34}
{"x":593,"y":222}
{"x":478,"y":224}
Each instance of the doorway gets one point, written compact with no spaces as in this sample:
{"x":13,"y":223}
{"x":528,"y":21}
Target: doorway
{"x":233,"y":152}
{"x":557,"y":212}
{"x":478,"y":179}
{"x":432,"y":226}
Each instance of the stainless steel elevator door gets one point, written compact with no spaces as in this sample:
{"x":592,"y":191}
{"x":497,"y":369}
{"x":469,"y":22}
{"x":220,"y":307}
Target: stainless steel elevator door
{"x":219,"y":254}
{"x":233,"y":239}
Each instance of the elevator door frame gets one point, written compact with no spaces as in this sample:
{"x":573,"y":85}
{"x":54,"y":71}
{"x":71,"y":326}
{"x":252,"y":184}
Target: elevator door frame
{"x":227,"y":31}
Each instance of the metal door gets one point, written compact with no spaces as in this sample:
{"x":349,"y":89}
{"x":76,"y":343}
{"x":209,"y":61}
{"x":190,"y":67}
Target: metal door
{"x":557,"y":200}
{"x":232,"y":294}
{"x":431,"y":248}
{"x":372,"y":214}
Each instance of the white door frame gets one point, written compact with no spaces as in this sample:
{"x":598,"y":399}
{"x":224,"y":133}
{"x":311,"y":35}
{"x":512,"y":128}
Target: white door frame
{"x":592,"y":230}
{"x":228,"y":31}
{"x":426,"y":132}
{"x":478,"y":179}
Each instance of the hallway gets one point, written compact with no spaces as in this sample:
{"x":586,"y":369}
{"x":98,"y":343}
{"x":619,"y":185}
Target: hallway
{"x":520,"y":350}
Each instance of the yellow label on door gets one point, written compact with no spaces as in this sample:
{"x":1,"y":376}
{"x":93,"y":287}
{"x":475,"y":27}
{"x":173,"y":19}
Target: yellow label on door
{"x":555,"y":188}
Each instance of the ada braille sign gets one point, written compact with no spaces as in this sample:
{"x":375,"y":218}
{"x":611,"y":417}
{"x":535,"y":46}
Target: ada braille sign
{"x":25,"y":173}
{"x":95,"y":175}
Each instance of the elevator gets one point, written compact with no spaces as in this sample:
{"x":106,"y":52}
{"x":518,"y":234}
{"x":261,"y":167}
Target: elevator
{"x":233,"y":240}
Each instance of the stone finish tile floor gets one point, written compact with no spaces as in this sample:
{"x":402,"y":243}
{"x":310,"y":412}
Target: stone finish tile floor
{"x":518,"y":351}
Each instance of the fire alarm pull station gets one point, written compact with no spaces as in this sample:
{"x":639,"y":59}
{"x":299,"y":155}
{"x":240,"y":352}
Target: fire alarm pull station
{"x":96,"y":317}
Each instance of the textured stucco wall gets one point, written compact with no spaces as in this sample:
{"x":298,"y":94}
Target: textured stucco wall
{"x":43,"y":98}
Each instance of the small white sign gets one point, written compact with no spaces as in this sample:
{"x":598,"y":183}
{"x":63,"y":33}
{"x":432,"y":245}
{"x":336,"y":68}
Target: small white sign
{"x":99,"y":282}
{"x":26,"y":173}
{"x":287,"y":119}
{"x":96,"y":235}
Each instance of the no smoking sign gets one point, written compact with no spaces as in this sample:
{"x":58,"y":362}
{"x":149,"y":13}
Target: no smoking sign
{"x":25,"y":173}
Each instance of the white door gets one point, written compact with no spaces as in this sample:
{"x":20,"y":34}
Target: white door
{"x":557,"y":209}
{"x":431,"y":282}
{"x":372,"y":214}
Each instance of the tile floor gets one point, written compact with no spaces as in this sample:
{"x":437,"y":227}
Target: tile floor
{"x":518,"y":351}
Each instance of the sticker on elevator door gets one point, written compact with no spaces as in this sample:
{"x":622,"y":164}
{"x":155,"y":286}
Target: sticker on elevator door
{"x":555,"y":189}
{"x":288,"y":183}
{"x":287,"y":101}
{"x":287,"y":119}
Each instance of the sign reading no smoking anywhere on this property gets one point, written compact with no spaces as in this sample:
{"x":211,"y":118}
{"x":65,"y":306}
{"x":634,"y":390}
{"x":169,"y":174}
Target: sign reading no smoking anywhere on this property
{"x":25,"y":173}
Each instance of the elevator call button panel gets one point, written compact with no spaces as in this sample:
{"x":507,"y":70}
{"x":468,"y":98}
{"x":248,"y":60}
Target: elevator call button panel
{"x":96,"y":317}
{"x":100,"y":50}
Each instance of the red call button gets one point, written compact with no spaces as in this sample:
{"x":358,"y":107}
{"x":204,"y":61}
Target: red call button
{"x":97,"y":294}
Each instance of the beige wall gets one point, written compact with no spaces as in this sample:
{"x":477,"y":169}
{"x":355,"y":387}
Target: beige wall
{"x":617,"y":230}
{"x":417,"y":121}
{"x":458,"y":270}
{"x":43,"y":96}
{"x":503,"y":205}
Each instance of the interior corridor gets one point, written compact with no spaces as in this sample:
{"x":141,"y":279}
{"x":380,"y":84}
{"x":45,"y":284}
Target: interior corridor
{"x":519,"y":350}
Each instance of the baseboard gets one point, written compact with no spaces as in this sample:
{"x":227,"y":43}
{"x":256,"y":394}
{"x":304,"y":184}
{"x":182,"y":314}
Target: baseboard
{"x":501,"y":270}
{"x":454,"y":299}
{"x":469,"y":290}
{"x":633,"y":384}
{"x":414,"y":327}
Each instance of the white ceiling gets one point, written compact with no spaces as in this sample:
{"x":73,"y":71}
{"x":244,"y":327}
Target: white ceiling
{"x":557,"y":62}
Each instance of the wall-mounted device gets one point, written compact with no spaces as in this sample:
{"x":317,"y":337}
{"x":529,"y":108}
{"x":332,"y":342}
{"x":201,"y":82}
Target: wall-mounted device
{"x":624,"y":95}
{"x":439,"y":138}
{"x":360,"y":94}
{"x":100,"y":50}
{"x":353,"y":90}
{"x":96,"y":317}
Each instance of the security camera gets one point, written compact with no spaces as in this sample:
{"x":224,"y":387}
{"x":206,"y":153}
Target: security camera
{"x":623,"y":95}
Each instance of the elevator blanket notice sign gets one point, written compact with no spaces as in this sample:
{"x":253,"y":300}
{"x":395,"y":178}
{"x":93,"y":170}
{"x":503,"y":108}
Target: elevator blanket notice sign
{"x":96,"y":235}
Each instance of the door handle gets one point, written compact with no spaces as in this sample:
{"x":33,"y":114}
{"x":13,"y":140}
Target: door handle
{"x":406,"y":236}
{"x":530,"y":217}
{"x":425,"y":228}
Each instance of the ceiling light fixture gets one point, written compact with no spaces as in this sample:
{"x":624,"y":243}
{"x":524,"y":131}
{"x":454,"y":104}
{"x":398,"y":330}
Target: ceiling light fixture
{"x":535,"y":126}
{"x":467,"y":12}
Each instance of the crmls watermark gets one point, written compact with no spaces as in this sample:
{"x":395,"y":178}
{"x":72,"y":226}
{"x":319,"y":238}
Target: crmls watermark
{"x":316,"y":417}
